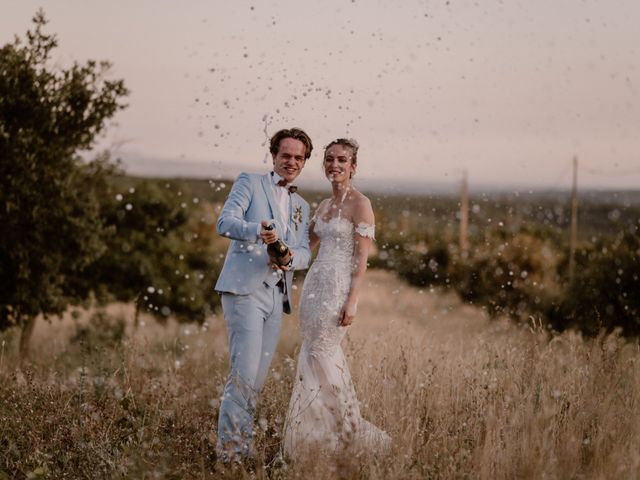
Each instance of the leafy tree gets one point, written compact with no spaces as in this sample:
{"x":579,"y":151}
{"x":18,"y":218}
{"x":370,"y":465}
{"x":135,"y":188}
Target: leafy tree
{"x":49,"y":216}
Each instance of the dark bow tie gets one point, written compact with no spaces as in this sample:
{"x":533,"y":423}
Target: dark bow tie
{"x":291,"y":188}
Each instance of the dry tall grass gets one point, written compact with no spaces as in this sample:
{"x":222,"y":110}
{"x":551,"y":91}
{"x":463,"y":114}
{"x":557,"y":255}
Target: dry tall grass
{"x":461,"y":396}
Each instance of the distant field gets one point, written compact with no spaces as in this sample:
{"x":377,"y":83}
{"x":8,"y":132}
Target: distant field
{"x":599,"y":212}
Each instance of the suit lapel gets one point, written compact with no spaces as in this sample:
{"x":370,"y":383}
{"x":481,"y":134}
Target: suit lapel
{"x":267,"y":185}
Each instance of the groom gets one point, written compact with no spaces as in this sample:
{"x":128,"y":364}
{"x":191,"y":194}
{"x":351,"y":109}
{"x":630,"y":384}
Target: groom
{"x":254,"y":292}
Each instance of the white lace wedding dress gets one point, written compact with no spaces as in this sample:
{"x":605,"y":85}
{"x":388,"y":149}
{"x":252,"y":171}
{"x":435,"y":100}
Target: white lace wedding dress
{"x":324,"y":411}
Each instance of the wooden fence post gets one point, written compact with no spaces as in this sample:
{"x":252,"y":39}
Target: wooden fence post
{"x":574,"y":220}
{"x":464,"y":213}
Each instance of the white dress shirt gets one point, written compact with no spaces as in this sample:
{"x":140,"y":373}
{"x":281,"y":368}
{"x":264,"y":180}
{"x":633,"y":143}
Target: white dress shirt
{"x":282,"y":197}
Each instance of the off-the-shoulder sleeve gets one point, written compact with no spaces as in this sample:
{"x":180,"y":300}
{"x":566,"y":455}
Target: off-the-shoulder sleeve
{"x":366,"y":230}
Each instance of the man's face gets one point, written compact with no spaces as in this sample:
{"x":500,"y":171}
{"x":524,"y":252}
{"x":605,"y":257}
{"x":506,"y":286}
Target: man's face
{"x":289,"y":160}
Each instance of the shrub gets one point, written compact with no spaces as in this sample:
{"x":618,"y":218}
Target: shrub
{"x":605,"y":292}
{"x":102,"y":330}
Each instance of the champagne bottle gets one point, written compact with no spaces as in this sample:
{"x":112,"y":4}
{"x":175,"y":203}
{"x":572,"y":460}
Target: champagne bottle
{"x":277,"y":250}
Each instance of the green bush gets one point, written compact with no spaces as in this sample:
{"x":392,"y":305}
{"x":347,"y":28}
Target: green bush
{"x":427,"y":269}
{"x":605,"y":292}
{"x":510,"y":274}
{"x":524,"y":274}
{"x":102,"y":331}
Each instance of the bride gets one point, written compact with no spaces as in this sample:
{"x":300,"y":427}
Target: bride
{"x":323,"y":410}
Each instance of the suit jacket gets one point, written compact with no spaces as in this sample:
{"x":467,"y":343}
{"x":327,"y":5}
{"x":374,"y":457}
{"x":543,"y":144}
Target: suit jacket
{"x":246,"y":265}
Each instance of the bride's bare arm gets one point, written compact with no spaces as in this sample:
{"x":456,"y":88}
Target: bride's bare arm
{"x":313,"y":238}
{"x":364,"y":222}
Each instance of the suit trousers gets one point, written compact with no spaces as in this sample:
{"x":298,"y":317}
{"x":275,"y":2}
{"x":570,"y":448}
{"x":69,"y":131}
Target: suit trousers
{"x":253,"y":327}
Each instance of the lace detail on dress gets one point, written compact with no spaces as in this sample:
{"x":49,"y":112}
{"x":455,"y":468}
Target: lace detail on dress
{"x":366,"y":230}
{"x":324,"y":410}
{"x":326,"y":287}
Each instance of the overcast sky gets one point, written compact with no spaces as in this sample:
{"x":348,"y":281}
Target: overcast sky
{"x":508,"y":90}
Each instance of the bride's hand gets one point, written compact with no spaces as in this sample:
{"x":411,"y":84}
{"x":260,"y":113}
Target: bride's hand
{"x":348,"y":314}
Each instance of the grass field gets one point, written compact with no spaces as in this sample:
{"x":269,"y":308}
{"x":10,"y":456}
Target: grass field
{"x":461,"y":396}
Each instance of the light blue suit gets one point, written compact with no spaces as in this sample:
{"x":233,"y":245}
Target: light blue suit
{"x":253,"y":300}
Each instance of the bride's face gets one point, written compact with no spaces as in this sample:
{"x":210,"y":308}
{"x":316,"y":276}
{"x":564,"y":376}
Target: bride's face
{"x":338,"y":165}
